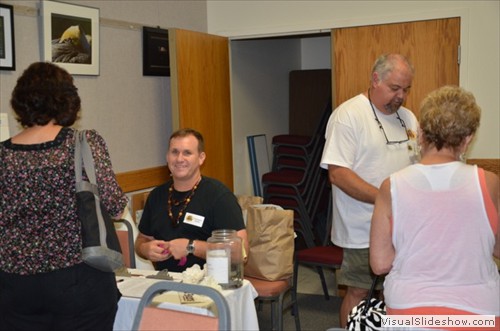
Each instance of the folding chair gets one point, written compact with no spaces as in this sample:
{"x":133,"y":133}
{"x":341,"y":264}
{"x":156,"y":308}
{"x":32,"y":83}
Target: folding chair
{"x":324,"y":255}
{"x":150,"y":317}
{"x":126,"y":237}
{"x":296,"y":149}
{"x":274,"y":291}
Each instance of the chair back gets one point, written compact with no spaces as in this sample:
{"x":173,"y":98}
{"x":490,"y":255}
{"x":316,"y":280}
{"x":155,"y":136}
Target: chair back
{"x":158,"y":318}
{"x":126,"y":238}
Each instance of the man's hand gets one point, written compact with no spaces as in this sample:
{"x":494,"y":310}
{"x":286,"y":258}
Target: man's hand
{"x":151,"y":249}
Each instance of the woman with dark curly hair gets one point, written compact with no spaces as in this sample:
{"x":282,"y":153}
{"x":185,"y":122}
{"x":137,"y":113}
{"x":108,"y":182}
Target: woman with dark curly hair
{"x":44,"y":284}
{"x":436,"y":225}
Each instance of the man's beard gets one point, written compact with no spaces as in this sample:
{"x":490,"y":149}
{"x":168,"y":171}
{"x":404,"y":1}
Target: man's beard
{"x":393,"y":106}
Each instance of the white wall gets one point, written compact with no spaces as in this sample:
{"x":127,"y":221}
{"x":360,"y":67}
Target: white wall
{"x":133,"y":111}
{"x":259,"y":85}
{"x":260,"y":91}
{"x":130,"y":110}
{"x":316,"y":53}
{"x":480,"y":40}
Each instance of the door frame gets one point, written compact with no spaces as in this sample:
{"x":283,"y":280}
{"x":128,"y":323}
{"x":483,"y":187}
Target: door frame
{"x":326,"y":27}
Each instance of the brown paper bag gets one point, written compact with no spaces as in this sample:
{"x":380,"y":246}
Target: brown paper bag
{"x":271,"y":242}
{"x":246,"y":201}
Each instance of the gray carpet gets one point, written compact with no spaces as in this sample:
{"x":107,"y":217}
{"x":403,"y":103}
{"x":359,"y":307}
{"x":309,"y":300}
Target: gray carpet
{"x":315,"y":312}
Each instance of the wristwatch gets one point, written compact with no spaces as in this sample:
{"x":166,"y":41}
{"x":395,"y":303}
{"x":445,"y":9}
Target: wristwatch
{"x":190,"y":247}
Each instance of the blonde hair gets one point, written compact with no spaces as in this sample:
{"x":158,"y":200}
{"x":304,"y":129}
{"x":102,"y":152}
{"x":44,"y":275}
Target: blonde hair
{"x":447,"y":116}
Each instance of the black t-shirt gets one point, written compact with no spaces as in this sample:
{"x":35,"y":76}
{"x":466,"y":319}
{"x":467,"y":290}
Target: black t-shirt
{"x":212,"y":207}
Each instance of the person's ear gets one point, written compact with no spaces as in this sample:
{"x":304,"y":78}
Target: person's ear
{"x":468,"y":139}
{"x":420,"y":136}
{"x":202,"y":157}
{"x":375,"y":79}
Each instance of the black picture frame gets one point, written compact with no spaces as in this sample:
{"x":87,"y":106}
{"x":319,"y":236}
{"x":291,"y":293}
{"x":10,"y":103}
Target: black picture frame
{"x":156,"y":55}
{"x":7,"y":48}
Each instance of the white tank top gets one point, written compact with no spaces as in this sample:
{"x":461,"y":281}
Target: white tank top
{"x":443,"y":240}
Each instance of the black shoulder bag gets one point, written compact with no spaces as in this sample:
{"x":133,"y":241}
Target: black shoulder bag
{"x":100,"y":245}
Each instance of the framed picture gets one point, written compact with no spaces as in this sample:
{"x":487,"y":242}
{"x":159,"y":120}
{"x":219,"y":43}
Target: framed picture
{"x":155,"y":58}
{"x":7,"y":53}
{"x":71,"y":37}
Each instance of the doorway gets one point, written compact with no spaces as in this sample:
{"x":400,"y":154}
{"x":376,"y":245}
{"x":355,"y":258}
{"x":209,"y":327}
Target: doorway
{"x":260,"y":69}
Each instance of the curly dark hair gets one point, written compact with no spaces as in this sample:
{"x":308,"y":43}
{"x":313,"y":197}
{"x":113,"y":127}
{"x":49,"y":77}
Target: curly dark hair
{"x":43,"y":93}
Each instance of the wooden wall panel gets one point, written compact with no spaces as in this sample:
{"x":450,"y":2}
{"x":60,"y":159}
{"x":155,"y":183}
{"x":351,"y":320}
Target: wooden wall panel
{"x":148,"y":178}
{"x":201,"y":96}
{"x":142,"y":179}
{"x":432,"y":47}
{"x":492,"y":165}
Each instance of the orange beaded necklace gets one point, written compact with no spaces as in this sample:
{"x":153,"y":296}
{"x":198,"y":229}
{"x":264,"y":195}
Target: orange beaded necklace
{"x":185,"y":202}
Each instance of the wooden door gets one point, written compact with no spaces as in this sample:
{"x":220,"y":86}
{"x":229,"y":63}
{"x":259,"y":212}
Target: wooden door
{"x":199,"y":65}
{"x":432,"y":46}
{"x":310,"y":93}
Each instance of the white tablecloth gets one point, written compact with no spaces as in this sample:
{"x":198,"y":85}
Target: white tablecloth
{"x":240,"y":302}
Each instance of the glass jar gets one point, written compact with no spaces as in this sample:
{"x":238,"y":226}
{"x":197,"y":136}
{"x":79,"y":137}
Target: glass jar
{"x":225,"y":258}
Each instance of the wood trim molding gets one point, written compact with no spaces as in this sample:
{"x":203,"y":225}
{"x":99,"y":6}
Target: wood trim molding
{"x":492,"y":165}
{"x":142,"y":179}
{"x":151,"y":177}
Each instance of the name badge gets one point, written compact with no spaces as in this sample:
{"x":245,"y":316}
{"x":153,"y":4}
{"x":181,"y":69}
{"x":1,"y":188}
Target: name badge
{"x":194,"y":219}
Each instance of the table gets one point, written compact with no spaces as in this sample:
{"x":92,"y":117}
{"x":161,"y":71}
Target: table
{"x":240,"y":301}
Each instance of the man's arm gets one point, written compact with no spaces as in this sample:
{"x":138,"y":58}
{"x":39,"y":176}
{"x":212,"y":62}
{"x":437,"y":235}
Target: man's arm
{"x":244,"y":240}
{"x":178,"y":246}
{"x":353,"y":185}
{"x":150,"y":249}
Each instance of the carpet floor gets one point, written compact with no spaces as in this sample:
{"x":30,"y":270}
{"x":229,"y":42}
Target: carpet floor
{"x":315,"y":313}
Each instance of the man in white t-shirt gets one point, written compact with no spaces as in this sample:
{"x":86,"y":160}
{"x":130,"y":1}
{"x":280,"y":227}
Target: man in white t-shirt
{"x":368,"y":137}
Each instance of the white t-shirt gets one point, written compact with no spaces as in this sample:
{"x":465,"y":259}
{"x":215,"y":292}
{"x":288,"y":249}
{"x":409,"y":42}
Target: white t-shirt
{"x":354,"y":140}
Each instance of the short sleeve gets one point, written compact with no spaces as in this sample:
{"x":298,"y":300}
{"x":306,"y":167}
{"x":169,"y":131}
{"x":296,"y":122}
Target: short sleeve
{"x":111,"y":195}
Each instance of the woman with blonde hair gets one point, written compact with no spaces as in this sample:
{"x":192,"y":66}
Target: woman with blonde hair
{"x":435,"y":226}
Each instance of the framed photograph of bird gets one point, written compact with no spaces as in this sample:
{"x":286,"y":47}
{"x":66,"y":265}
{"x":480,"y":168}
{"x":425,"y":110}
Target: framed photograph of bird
{"x":71,"y":37}
{"x":155,"y":54}
{"x":7,"y":53}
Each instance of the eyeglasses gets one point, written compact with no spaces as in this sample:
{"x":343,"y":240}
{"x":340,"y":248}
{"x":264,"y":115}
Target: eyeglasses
{"x":389,"y":142}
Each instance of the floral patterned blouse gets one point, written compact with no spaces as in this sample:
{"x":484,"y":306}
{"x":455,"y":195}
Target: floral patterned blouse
{"x":39,"y":228}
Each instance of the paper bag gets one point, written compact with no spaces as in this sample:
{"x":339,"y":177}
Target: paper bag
{"x":246,"y":201}
{"x":271,"y":242}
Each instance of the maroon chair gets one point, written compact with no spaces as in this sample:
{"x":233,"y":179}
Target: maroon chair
{"x":325,"y":255}
{"x":299,"y":147}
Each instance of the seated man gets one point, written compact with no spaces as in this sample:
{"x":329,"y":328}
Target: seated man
{"x":180,"y":215}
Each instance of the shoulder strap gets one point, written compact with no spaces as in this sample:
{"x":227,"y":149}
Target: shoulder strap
{"x":83,"y":154}
{"x":78,"y":157}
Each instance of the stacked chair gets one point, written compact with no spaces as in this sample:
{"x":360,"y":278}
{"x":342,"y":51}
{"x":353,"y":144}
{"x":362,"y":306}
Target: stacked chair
{"x":323,"y":255}
{"x":295,"y":181}
{"x":298,"y":183}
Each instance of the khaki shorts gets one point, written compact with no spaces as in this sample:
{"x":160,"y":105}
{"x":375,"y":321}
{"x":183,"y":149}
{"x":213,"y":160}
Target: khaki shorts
{"x":355,"y":270}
